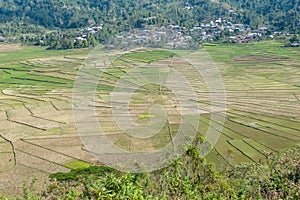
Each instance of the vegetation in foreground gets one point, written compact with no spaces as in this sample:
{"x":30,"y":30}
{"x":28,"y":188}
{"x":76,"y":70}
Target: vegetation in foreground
{"x":190,"y":177}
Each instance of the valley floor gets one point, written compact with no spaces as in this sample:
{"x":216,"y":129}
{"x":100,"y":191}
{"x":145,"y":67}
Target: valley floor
{"x":38,"y":135}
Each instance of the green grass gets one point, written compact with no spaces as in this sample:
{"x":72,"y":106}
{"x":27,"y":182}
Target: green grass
{"x":267,"y":69}
{"x":257,"y":146}
{"x":146,"y":116}
{"x":138,"y":101}
{"x":147,"y":56}
{"x":30,"y":52}
{"x":18,"y":72}
{"x":77,"y":164}
{"x":247,"y":150}
{"x":225,"y":52}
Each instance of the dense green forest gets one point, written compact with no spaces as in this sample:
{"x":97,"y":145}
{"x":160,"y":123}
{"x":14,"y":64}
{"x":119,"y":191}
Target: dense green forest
{"x":75,"y":14}
{"x":57,"y":24}
{"x":279,"y":14}
{"x":66,"y":14}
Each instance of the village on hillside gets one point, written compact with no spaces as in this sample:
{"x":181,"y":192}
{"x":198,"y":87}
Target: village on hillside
{"x":174,"y":36}
{"x":171,"y":36}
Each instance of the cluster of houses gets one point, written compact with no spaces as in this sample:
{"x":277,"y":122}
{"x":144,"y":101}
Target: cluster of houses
{"x":88,"y":31}
{"x":211,"y":30}
{"x":2,"y":39}
{"x":170,"y":37}
{"x":174,"y":36}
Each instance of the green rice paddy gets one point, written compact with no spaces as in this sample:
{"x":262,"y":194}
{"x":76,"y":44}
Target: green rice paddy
{"x":263,"y":105}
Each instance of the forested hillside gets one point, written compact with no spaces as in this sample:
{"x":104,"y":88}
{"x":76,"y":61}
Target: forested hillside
{"x":74,"y":14}
{"x":280,"y":15}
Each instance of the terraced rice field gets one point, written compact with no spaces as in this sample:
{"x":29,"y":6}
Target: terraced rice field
{"x":262,"y":85}
{"x":38,"y":135}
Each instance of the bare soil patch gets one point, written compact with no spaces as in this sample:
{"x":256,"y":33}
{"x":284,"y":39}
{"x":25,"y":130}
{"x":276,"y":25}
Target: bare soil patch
{"x":9,"y":47}
{"x":258,"y":58}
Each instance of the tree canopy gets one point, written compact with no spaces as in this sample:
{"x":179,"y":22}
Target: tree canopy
{"x":65,"y":14}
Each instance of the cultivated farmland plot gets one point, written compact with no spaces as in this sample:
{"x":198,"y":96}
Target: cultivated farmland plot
{"x":37,"y":131}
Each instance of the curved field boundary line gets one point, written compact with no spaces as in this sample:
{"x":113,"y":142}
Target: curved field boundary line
{"x":20,"y":96}
{"x":25,"y":124}
{"x":44,"y":159}
{"x":28,"y":142}
{"x":245,"y":136}
{"x":37,"y":80}
{"x":52,"y":77}
{"x":271,"y":123}
{"x":50,"y":120}
{"x":207,"y":123}
{"x":249,"y":143}
{"x":13,"y":149}
{"x":273,"y":106}
{"x":243,"y":151}
{"x":255,"y":128}
{"x":278,"y":112}
{"x":253,"y":117}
